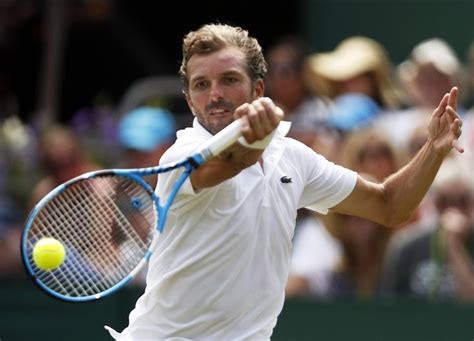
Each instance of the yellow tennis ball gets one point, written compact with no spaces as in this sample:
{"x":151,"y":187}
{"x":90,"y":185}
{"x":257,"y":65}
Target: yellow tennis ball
{"x":48,"y":253}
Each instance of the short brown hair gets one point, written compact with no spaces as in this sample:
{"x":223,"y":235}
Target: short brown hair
{"x":214,"y":37}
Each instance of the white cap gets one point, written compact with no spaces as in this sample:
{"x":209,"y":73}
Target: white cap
{"x":438,"y":53}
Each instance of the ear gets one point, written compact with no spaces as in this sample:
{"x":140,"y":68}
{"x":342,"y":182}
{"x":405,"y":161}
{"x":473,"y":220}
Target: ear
{"x":259,"y":88}
{"x":190,"y":103}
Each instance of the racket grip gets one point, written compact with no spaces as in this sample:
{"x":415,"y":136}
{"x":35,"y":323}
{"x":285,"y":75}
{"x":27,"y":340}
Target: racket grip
{"x":221,"y":140}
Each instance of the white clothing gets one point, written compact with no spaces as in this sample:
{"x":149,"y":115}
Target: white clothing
{"x":315,"y":255}
{"x":399,"y":126}
{"x":220,"y":269}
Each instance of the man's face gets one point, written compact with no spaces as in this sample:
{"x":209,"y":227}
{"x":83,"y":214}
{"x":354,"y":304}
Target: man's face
{"x":218,"y":84}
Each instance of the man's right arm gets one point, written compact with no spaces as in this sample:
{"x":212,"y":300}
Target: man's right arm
{"x":259,"y":119}
{"x":225,"y":166}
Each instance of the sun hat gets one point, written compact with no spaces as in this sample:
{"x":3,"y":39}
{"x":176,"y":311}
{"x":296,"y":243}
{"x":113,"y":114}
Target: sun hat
{"x":145,"y":128}
{"x":434,"y":51}
{"x":352,"y":57}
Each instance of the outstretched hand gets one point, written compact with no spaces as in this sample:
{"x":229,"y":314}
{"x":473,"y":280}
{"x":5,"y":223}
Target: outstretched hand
{"x":445,"y":124}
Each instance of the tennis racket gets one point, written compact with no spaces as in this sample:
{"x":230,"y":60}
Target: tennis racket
{"x":109,"y":222}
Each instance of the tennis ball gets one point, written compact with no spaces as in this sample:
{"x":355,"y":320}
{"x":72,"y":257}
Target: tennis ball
{"x":48,"y":253}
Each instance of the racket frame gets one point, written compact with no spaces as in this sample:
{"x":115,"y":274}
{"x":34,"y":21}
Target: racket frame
{"x":208,"y":150}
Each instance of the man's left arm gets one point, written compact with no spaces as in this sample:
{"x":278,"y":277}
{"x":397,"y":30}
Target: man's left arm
{"x":393,"y":201}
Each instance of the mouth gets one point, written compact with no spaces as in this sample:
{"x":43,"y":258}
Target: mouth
{"x":219,"y":112}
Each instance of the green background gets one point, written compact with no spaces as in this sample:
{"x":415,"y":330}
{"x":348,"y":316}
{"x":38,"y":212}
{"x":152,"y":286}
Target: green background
{"x":399,"y":25}
{"x":27,"y":313}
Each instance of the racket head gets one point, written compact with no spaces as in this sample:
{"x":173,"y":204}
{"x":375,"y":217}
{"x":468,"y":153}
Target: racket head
{"x":106,"y":221}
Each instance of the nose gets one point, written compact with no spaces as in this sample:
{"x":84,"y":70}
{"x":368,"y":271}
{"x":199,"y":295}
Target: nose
{"x":216,"y":93}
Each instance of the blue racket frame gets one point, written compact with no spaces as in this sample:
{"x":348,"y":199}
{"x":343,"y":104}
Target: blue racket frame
{"x":189,"y":164}
{"x":212,"y":147}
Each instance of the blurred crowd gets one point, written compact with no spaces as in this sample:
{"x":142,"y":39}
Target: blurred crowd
{"x":358,"y":109}
{"x":351,"y":104}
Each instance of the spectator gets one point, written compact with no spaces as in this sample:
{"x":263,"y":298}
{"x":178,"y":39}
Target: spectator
{"x":17,"y":162}
{"x":432,"y":69}
{"x":286,"y":84}
{"x":436,"y":262}
{"x":357,"y":75}
{"x":317,"y":253}
{"x":363,"y":242}
{"x":96,"y":127}
{"x":146,"y":133}
{"x":468,"y":127}
{"x":470,"y":75}
{"x":368,"y":151}
{"x":62,"y":159}
{"x":363,"y":245}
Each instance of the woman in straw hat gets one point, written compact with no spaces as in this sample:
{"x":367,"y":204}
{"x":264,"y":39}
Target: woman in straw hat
{"x":357,"y":76}
{"x":358,"y":64}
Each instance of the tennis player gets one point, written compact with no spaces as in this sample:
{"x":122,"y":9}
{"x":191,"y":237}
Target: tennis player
{"x":220,"y":269}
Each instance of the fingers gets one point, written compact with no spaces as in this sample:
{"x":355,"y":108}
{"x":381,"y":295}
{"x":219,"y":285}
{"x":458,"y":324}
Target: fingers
{"x":456,"y":129}
{"x":453,"y":98}
{"x":450,"y":99}
{"x":259,"y":118}
{"x":277,"y":112}
{"x":441,"y":106}
{"x":452,"y":115}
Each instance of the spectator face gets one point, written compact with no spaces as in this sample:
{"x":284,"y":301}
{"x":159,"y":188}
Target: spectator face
{"x":377,"y":160}
{"x":456,"y":195}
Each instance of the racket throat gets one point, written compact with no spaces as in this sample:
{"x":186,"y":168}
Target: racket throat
{"x":196,"y":160}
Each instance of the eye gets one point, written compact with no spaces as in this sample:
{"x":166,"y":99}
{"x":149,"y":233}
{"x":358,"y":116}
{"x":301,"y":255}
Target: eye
{"x":200,"y":85}
{"x":230,"y":80}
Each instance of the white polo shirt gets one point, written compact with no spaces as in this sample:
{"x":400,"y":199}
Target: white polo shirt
{"x":220,"y":269}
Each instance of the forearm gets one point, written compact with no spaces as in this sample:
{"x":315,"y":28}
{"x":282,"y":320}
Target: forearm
{"x":225,"y":166}
{"x":405,"y":189}
{"x":394,"y":201}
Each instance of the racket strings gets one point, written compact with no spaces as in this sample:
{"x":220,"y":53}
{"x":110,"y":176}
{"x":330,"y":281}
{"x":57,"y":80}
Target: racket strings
{"x":104,"y":259}
{"x":88,"y":240}
{"x":67,"y":278}
{"x":106,"y":225}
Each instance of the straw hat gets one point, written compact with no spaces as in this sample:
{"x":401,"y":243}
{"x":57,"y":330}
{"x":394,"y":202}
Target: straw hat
{"x":353,"y":56}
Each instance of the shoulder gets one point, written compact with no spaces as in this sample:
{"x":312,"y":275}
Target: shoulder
{"x":296,"y":148}
{"x":187,"y":140}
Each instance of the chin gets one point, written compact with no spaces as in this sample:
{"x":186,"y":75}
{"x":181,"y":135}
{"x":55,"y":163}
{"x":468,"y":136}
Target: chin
{"x":217,"y":125}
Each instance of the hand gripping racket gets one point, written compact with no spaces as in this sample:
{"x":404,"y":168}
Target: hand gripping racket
{"x":108,"y":222}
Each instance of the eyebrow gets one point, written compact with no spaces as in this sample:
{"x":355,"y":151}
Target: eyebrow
{"x":225,"y":74}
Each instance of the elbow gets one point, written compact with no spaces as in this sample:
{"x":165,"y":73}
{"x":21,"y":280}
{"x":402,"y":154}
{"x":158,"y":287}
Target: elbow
{"x":395,"y":215}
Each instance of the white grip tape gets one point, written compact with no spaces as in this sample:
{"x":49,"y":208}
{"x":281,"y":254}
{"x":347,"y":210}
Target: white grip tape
{"x":260,"y":144}
{"x":222,"y":139}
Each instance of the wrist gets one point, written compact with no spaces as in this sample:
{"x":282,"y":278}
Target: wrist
{"x":433,"y":147}
{"x":260,"y":144}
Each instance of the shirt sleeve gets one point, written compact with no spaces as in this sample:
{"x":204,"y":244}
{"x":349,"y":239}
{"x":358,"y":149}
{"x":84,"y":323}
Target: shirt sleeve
{"x":327,"y":184}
